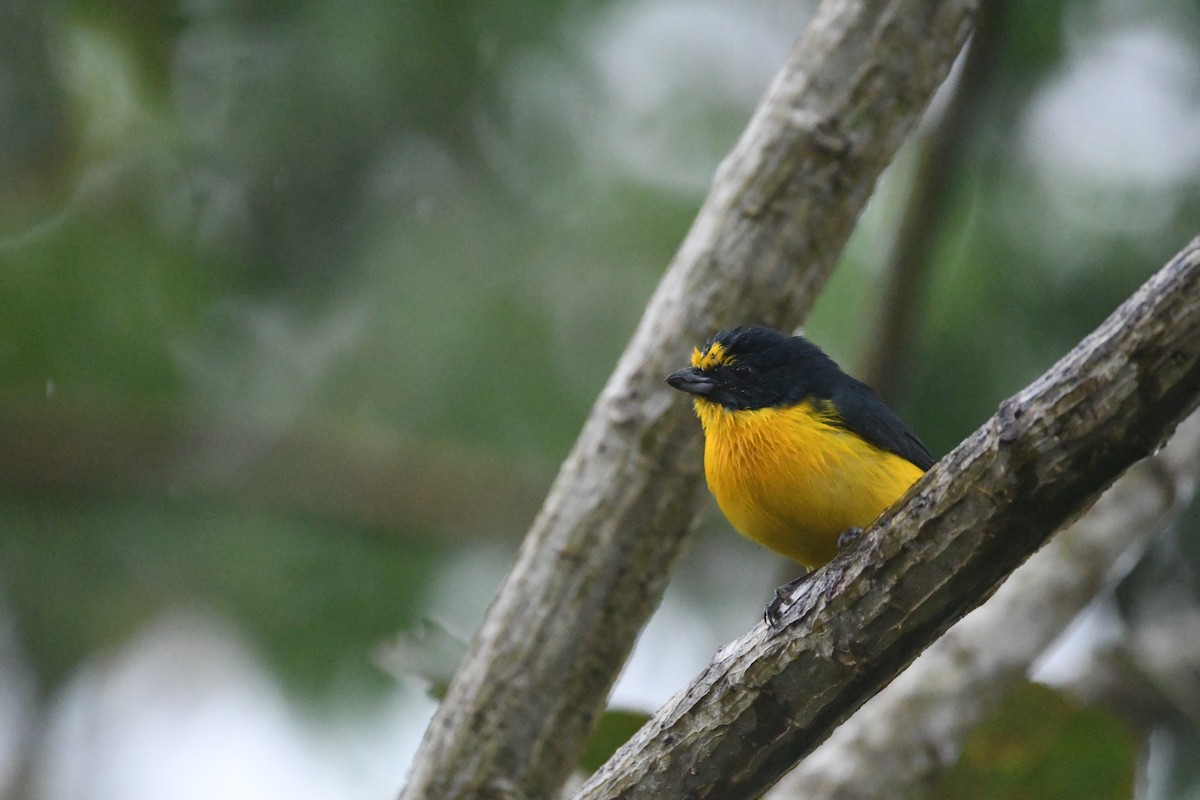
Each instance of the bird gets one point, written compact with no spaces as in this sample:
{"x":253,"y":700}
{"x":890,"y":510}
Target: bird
{"x":797,"y":453}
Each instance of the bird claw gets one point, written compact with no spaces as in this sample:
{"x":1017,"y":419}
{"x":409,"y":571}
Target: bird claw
{"x":787,"y":595}
{"x":783,"y":601}
{"x":848,"y":537}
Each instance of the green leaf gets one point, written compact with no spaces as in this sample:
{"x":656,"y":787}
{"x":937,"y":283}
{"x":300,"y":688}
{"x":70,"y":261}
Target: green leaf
{"x":1041,"y":744}
{"x":613,"y":730}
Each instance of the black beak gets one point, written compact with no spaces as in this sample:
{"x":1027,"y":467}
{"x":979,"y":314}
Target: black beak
{"x":693,"y":381}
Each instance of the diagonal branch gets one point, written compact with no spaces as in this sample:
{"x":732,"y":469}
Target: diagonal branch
{"x":595,"y":563}
{"x":902,"y":739}
{"x":1049,"y":451}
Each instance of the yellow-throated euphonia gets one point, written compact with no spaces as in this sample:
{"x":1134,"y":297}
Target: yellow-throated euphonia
{"x":796,"y":451}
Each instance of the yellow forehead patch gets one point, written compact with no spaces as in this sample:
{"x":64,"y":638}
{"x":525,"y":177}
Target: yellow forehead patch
{"x":714,"y":356}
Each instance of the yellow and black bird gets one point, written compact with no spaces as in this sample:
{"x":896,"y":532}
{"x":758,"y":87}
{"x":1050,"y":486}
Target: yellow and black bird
{"x":796,"y":452}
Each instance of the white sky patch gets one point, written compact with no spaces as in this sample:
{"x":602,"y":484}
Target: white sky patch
{"x":186,"y":712}
{"x":1125,"y":109}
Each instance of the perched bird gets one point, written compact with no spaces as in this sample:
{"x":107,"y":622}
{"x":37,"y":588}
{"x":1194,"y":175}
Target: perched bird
{"x":796,"y":452}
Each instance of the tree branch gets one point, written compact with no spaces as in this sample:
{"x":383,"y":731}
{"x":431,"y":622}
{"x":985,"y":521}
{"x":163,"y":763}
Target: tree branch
{"x":910,"y":260}
{"x":391,"y":485}
{"x":769,"y":700}
{"x":595,"y":563}
{"x":905,"y":736}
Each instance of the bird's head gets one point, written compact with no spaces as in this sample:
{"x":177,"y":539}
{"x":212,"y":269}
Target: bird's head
{"x":746,"y":368}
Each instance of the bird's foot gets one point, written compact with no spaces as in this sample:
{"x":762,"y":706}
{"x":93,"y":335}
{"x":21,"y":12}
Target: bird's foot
{"x":848,"y":537}
{"x":785,"y":597}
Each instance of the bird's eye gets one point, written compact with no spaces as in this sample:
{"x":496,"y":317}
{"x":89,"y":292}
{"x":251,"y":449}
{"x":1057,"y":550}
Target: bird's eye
{"x":742,"y":371}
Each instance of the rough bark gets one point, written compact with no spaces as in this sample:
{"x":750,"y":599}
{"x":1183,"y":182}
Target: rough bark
{"x":595,"y":563}
{"x":902,"y":739}
{"x":769,"y":700}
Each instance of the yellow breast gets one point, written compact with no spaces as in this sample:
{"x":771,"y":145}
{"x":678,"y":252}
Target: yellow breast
{"x":791,"y":479}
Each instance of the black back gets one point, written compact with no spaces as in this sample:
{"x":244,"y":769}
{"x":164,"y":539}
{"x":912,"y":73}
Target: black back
{"x":864,"y":413}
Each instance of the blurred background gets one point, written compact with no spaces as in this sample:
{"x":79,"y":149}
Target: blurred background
{"x":301,"y":304}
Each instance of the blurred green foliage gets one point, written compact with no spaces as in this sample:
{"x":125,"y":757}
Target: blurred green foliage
{"x":1041,"y":745}
{"x":83,"y":575}
{"x":615,"y":728}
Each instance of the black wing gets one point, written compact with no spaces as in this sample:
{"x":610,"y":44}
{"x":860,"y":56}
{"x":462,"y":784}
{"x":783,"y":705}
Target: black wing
{"x":864,"y":413}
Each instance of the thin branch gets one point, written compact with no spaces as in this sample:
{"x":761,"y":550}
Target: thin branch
{"x":389,"y":484}
{"x":909,"y":733}
{"x":769,"y":700}
{"x":596,"y":562}
{"x":939,"y":160}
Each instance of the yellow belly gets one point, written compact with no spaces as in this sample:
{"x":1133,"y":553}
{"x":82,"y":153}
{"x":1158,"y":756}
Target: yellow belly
{"x":789,"y":479}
